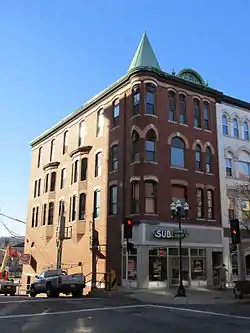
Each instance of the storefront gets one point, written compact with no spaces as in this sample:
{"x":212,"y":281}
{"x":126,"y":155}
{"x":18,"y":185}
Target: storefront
{"x":154,"y":262}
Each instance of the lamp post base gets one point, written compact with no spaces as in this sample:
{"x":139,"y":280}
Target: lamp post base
{"x":181,"y":292}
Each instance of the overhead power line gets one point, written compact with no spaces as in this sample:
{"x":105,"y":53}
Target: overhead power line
{"x":13,"y":234}
{"x":12,"y":218}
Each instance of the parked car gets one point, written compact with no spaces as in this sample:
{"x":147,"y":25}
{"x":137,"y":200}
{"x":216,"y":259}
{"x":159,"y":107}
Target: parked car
{"x":241,"y":288}
{"x":54,"y":282}
{"x":7,"y":288}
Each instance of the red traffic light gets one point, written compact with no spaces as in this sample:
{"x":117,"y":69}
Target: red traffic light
{"x":129,"y":222}
{"x":234,"y":232}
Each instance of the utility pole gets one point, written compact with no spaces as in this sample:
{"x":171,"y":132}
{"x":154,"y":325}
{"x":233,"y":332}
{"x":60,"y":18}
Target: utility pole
{"x":60,"y":240}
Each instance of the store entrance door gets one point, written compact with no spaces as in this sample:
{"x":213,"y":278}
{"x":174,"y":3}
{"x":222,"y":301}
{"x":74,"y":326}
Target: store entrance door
{"x":175,"y":271}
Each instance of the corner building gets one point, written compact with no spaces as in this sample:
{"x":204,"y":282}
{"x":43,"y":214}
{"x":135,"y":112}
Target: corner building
{"x":148,"y":139}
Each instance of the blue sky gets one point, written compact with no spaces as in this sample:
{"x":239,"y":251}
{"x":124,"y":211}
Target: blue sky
{"x":55,"y":55}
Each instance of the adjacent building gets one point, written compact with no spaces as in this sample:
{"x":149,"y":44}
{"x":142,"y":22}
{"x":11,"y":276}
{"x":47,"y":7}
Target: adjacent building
{"x":147,"y":140}
{"x":234,"y":157}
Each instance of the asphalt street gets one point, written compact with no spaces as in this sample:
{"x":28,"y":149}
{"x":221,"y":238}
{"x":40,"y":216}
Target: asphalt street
{"x":123,"y":315}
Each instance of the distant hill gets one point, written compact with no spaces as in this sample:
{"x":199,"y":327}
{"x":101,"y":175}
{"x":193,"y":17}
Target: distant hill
{"x":4,"y":241}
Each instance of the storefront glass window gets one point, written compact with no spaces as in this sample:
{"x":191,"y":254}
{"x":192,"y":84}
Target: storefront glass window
{"x":198,"y":264}
{"x":132,"y":264}
{"x":157,"y":264}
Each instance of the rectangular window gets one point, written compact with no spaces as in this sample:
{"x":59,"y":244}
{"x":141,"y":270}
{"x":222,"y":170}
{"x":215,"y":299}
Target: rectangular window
{"x":114,"y":158}
{"x":52,"y":150}
{"x":135,"y":195}
{"x":231,"y":214}
{"x":63,"y":178}
{"x":210,"y":204}
{"x":53,"y":181}
{"x":84,"y":166}
{"x":242,"y":170}
{"x":65,"y":142}
{"x":51,"y":213}
{"x":228,"y":167}
{"x":182,"y":105}
{"x":150,"y":99}
{"x":100,"y":123}
{"x":33,"y":217}
{"x":97,"y":203}
{"x":37,"y":213}
{"x":200,"y":202}
{"x":150,"y":150}
{"x":245,"y":204}
{"x":98,"y":164}
{"x":73,"y":216}
{"x":82,"y":203}
{"x":150,"y":197}
{"x":179,"y":193}
{"x":136,"y":100}
{"x":35,"y":188}
{"x":113,"y":197}
{"x":75,"y":178}
{"x":171,"y":105}
{"x":44,"y":213}
{"x":206,"y":116}
{"x":116,"y":113}
{"x":46,"y":185}
{"x":39,"y":157}
{"x":81,"y":134}
{"x":39,"y":187}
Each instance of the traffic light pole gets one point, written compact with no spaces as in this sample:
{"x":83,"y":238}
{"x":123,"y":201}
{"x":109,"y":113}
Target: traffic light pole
{"x":127,"y":283}
{"x":60,"y":241}
{"x":241,"y":263}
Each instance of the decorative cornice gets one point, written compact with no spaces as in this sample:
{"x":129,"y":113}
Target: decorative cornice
{"x":81,"y":150}
{"x":51,"y":165}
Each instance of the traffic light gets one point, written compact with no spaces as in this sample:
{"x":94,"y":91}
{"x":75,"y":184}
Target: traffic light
{"x":235,"y":231}
{"x":128,"y":228}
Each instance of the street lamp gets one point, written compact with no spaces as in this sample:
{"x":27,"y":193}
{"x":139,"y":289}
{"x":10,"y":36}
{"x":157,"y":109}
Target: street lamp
{"x":176,"y":210}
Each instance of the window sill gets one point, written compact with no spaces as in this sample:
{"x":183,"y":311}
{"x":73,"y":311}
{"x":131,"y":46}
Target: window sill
{"x":134,"y":214}
{"x":172,"y":121}
{"x":178,"y":168}
{"x":198,"y":128}
{"x":185,"y":125}
{"x":113,"y":171}
{"x":209,"y":174}
{"x":151,"y":162}
{"x":113,"y":215}
{"x":135,"y":116}
{"x":207,"y":130}
{"x":114,"y":128}
{"x":200,"y":172}
{"x":151,"y":214}
{"x":211,"y":220}
{"x":150,"y":115}
{"x":136,"y":162}
{"x":200,"y":219}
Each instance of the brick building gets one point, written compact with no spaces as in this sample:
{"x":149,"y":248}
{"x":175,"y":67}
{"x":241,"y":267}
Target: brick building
{"x":148,"y":139}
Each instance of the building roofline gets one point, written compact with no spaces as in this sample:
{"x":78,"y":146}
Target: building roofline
{"x":235,"y":102}
{"x":175,"y":80}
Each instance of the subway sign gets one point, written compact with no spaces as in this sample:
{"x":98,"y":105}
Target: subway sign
{"x":170,"y":234}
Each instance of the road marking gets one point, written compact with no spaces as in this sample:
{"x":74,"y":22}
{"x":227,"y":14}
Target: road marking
{"x":26,"y":315}
{"x":63,"y":299}
{"x":198,"y":311}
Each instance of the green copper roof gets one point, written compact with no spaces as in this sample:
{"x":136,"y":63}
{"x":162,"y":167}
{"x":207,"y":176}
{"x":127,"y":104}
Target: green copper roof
{"x":144,"y":56}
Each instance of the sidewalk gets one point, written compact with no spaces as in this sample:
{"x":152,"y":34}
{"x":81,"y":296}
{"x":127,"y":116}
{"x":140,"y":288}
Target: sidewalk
{"x":194,"y":296}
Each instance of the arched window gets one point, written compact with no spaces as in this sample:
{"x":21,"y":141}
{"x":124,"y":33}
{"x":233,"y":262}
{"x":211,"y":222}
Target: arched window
{"x":151,"y":146}
{"x":224,"y":125}
{"x":114,"y":158}
{"x":82,"y":203}
{"x":197,"y":114}
{"x":208,"y":160}
{"x":206,"y":116}
{"x":171,"y":106}
{"x":177,"y":152}
{"x":182,"y":101}
{"x":198,"y":157}
{"x":150,"y":99}
{"x":136,"y":147}
{"x":51,"y":213}
{"x":116,"y":113}
{"x":236,"y":128}
{"x":246,"y":131}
